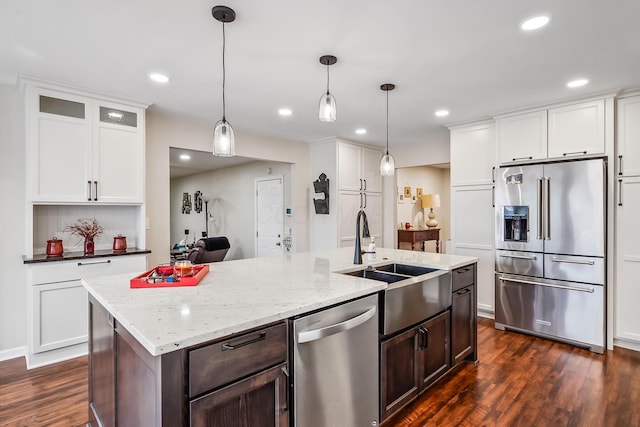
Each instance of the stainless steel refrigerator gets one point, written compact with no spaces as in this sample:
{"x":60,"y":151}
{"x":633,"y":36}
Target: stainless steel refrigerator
{"x":550,"y":266}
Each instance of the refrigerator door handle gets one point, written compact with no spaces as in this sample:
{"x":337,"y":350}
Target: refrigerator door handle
{"x":549,"y":285}
{"x":539,"y":228}
{"x":572,"y":261}
{"x":547,"y":210}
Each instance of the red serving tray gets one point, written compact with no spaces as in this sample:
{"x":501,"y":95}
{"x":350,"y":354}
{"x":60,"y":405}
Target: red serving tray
{"x":141,"y":282}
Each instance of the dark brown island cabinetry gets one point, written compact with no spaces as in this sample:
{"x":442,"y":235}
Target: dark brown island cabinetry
{"x":413,"y":360}
{"x":238,"y":380}
{"x":464,"y":317}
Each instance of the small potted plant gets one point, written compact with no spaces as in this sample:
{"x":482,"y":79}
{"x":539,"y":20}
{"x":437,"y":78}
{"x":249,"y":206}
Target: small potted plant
{"x":88,"y":228}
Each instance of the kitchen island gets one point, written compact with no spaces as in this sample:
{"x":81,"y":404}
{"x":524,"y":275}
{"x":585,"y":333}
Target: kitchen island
{"x":149,"y":357}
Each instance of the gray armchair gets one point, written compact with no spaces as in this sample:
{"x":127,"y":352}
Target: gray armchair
{"x":210,"y":249}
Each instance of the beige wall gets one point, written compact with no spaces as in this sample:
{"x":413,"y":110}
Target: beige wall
{"x":433,"y":151}
{"x":432,"y":180}
{"x":232,"y":204}
{"x":13,"y":289}
{"x":164,"y":131}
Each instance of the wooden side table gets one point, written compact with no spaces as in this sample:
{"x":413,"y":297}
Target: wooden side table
{"x":415,"y":236}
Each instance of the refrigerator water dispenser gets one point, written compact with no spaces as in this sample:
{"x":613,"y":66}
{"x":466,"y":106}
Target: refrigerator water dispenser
{"x":516,"y":221}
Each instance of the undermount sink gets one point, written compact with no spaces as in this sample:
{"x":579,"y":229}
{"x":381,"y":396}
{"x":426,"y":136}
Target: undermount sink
{"x":391,"y":273}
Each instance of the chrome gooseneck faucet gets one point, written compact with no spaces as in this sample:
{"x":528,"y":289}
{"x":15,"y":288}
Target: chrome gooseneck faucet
{"x":357,"y":257}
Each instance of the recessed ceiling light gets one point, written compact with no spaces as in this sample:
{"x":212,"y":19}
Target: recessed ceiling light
{"x":361,"y":131}
{"x":442,"y":113}
{"x":535,"y":23}
{"x":185,"y":157}
{"x":577,"y":83}
{"x":159,"y":78}
{"x":285,"y":111}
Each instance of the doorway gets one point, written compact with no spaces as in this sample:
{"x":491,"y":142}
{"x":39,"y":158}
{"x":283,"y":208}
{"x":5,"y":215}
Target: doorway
{"x":269,"y":216}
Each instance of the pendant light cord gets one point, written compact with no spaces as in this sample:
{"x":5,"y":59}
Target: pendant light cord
{"x":223,"y":74}
{"x":387,"y":122}
{"x":327,"y":79}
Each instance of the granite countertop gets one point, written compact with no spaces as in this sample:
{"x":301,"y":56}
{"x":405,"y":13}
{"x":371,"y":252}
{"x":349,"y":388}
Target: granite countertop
{"x":241,"y":294}
{"x":67,"y":256}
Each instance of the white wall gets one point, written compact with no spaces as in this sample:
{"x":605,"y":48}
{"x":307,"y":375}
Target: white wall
{"x":232,"y":192}
{"x":13,"y":288}
{"x":164,"y":131}
{"x":432,"y":180}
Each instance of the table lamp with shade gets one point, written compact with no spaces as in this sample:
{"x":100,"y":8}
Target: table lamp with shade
{"x":431,"y":201}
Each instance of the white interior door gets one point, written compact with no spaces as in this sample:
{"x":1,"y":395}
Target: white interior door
{"x":269,"y":216}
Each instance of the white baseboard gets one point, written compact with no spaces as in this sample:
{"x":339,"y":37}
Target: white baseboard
{"x":486,"y":313}
{"x":37,"y":360}
{"x":629,"y":345}
{"x":12,"y":353}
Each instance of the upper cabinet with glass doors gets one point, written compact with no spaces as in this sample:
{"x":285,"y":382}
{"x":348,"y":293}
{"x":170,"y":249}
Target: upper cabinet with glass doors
{"x":83,"y":150}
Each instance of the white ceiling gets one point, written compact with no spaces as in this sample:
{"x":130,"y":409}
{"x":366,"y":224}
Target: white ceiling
{"x":467,"y":56}
{"x":200,"y":161}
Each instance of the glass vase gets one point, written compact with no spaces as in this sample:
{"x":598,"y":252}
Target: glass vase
{"x":88,"y":246}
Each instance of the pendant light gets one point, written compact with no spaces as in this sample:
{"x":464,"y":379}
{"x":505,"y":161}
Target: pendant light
{"x":387,"y":164}
{"x":327,"y":109}
{"x":224,"y":143}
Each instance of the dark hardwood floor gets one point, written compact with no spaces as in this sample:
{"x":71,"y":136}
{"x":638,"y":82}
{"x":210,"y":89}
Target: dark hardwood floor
{"x":520,"y":381}
{"x":54,"y":395}
{"x":527,"y":381}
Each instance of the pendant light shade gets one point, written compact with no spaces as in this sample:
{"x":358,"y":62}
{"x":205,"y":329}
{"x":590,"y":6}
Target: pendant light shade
{"x":224,"y":143}
{"x":327,"y":108}
{"x":387,"y":164}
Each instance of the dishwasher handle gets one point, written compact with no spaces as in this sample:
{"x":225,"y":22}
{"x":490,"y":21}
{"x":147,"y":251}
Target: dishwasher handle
{"x":316,"y":334}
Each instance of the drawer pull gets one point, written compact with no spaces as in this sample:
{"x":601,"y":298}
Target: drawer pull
{"x":95,"y":262}
{"x":463,"y":291}
{"x":229,"y":346}
{"x":529,"y":257}
{"x":572,"y":261}
{"x":462,"y":270}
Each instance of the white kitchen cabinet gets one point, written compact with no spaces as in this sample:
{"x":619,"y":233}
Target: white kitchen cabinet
{"x":577,"y":129}
{"x":473,"y":154}
{"x":522,"y":136}
{"x":628,"y":137}
{"x":627,"y":292}
{"x":564,"y":131}
{"x":57,"y":304}
{"x":350,"y":203}
{"x":354,"y":183}
{"x":359,"y":168}
{"x":472,"y":234}
{"x":82,"y":149}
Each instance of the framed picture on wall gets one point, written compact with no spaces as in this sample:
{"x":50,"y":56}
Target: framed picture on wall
{"x":419,"y":192}
{"x":407,"y":192}
{"x":400,"y":198}
{"x":413,"y":198}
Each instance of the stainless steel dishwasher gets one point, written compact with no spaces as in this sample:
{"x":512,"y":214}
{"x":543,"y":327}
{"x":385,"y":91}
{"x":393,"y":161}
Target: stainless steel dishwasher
{"x":335,"y":366}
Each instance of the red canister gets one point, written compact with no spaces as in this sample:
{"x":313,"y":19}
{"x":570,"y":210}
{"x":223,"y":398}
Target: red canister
{"x":119,"y":243}
{"x":54,"y":247}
